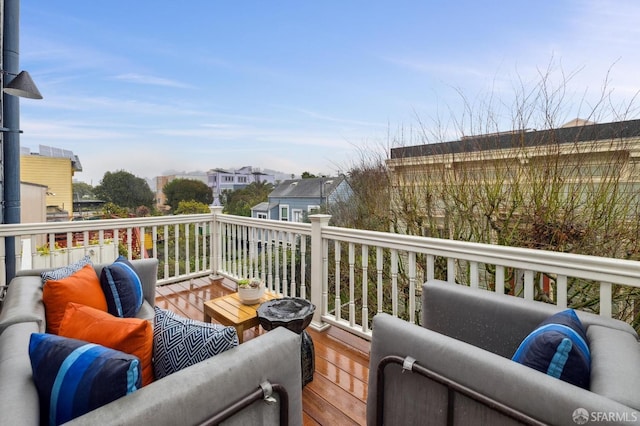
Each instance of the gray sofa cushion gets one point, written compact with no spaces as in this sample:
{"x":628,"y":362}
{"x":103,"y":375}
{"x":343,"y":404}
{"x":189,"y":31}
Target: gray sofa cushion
{"x":19,"y":400}
{"x":486,"y":314}
{"x":146,"y":311}
{"x":23,"y":303}
{"x":147,"y":269}
{"x":615,"y":365}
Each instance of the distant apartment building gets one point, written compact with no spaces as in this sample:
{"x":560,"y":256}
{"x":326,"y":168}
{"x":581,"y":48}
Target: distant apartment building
{"x":220,"y":180}
{"x":161,"y":181}
{"x":54,"y":169}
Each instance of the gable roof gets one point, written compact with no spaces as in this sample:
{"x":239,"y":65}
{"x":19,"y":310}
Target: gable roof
{"x":524,"y":138}
{"x":261,"y":207}
{"x":306,"y":188}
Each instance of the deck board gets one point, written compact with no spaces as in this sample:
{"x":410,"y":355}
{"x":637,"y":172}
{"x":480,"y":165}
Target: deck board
{"x":336,"y":396}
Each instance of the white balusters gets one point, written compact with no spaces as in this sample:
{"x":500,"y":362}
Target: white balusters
{"x":337,"y":302}
{"x":352,"y":285}
{"x":605,"y":299}
{"x":365,"y":288}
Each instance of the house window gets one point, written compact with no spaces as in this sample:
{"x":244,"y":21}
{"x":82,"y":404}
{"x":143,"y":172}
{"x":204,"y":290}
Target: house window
{"x":242,"y":179}
{"x":297,"y":215}
{"x":261,"y":215}
{"x":284,"y":213}
{"x":313,"y":209}
{"x":228,"y":178}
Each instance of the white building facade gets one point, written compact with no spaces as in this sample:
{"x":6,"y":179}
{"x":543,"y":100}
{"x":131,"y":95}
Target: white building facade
{"x":220,"y":180}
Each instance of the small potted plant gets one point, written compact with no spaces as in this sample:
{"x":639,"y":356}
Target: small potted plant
{"x":250,"y":290}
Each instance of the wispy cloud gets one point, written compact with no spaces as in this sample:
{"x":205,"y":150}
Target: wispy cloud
{"x":333,"y":119}
{"x":438,"y":68}
{"x":152,"y":80}
{"x":41,"y":130}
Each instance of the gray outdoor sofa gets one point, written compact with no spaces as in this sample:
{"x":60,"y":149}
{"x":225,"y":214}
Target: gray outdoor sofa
{"x":467,"y":342}
{"x":190,"y":396}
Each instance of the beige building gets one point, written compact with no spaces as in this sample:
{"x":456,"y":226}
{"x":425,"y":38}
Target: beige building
{"x":53,"y":168}
{"x":161,"y":199}
{"x":580,"y":159}
{"x":34,"y":198}
{"x":162,"y":181}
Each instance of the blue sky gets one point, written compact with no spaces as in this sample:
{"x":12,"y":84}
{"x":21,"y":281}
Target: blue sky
{"x":152,"y":86}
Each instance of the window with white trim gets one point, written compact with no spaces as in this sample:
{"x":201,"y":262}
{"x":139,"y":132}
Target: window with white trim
{"x":284,"y":212}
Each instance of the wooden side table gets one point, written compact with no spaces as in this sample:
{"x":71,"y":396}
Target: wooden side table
{"x":230,"y":311}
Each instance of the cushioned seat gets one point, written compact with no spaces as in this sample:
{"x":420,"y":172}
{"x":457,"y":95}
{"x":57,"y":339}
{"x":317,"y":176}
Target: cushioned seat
{"x":189,"y":396}
{"x":468,"y":337}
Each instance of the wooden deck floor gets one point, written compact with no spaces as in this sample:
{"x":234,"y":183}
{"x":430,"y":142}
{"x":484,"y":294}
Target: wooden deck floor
{"x":338,"y":392}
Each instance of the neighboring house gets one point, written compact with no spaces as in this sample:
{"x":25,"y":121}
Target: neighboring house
{"x":581,"y":152}
{"x":161,"y":181}
{"x":33,"y":200}
{"x":220,"y":180}
{"x":293,"y":200}
{"x":53,"y":168}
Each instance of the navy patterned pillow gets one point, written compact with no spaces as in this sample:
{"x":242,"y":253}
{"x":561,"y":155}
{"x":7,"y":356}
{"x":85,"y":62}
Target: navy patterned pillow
{"x":122,"y":288}
{"x":74,"y":377}
{"x":180,"y":342}
{"x":65,"y":271}
{"x":559,"y":348}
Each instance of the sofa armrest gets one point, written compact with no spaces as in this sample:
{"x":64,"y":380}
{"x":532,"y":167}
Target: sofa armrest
{"x":194,"y":394}
{"x":410,"y":398}
{"x":19,"y":404}
{"x":23,"y":303}
{"x":495,"y":322}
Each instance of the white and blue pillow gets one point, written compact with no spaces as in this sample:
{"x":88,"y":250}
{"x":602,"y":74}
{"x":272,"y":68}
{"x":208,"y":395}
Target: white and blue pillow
{"x":74,"y":377}
{"x":558,"y":348}
{"x":180,"y":342}
{"x":65,"y":271}
{"x":122,"y":288}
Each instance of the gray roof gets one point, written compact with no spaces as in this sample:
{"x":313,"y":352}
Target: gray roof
{"x":306,"y":188}
{"x":261,"y":207}
{"x":524,"y":138}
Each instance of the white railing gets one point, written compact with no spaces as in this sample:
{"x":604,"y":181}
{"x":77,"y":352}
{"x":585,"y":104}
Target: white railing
{"x":275,"y":251}
{"x":181,"y":243}
{"x":349,"y":274}
{"x":390,"y":268}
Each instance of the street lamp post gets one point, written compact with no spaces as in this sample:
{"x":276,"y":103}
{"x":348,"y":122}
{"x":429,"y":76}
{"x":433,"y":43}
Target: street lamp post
{"x":20,"y":85}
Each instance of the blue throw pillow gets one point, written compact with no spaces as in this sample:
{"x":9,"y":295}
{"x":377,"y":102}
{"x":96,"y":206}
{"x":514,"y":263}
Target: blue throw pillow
{"x":65,"y":271}
{"x":74,"y":377}
{"x":122,"y":288}
{"x":180,"y":342}
{"x":559,"y":348}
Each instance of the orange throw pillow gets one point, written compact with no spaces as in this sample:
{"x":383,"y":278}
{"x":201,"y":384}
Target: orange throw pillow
{"x":82,"y":287}
{"x":133,"y":336}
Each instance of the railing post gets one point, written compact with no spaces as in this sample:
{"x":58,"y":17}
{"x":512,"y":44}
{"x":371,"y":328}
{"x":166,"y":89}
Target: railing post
{"x":216,"y":241}
{"x":318,"y":277}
